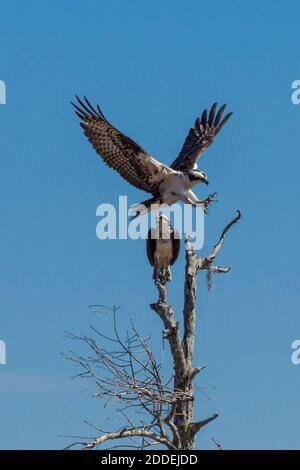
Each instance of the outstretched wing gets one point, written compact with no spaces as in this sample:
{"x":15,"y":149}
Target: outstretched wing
{"x":119,"y":151}
{"x":199,"y":138}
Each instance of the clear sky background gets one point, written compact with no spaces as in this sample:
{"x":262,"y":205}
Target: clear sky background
{"x":153,"y":67}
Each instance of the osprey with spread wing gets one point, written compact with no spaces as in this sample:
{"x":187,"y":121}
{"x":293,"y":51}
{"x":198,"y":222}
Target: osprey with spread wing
{"x":166,"y":184}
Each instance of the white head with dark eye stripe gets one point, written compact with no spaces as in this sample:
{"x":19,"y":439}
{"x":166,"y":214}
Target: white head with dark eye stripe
{"x":197,"y":176}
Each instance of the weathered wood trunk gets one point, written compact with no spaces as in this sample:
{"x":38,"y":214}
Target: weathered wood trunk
{"x":183,"y":350}
{"x":183,"y":418}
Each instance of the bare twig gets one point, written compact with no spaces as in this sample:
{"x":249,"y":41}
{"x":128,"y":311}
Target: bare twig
{"x":129,"y":433}
{"x":216,"y":443}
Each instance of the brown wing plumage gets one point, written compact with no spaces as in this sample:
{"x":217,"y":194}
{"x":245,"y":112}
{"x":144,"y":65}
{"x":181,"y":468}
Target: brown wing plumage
{"x":199,"y":138}
{"x":150,"y":246}
{"x":176,"y":245}
{"x":117,"y":150}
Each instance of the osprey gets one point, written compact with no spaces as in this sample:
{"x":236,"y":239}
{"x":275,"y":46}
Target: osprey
{"x":166,"y":184}
{"x":163,"y":246}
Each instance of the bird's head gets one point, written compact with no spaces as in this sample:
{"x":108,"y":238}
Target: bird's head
{"x":164,"y":226}
{"x":198,"y":176}
{"x":162,"y":220}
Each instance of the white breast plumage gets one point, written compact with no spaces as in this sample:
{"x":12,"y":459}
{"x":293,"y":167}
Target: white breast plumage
{"x":163,"y":252}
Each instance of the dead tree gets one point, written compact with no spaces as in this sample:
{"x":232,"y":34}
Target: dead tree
{"x":156,"y":411}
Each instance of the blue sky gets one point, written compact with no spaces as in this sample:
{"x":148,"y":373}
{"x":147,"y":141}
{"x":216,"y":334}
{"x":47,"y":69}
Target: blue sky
{"x":153,"y":67}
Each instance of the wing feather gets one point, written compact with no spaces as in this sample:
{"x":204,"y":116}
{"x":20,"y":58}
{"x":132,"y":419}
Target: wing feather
{"x":150,"y":245}
{"x":199,"y":138}
{"x":119,"y":151}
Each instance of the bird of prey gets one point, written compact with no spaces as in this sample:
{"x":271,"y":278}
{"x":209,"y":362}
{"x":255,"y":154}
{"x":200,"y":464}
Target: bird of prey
{"x":166,"y":183}
{"x":163,"y":246}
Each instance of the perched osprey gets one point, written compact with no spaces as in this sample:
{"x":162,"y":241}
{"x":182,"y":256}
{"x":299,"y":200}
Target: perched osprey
{"x":163,"y":245}
{"x":167,"y":184}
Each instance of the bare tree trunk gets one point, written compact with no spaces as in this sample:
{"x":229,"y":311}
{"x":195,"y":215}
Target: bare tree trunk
{"x":183,"y":351}
{"x":183,"y":418}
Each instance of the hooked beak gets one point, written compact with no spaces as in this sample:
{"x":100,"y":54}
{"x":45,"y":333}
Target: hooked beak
{"x":205,"y":180}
